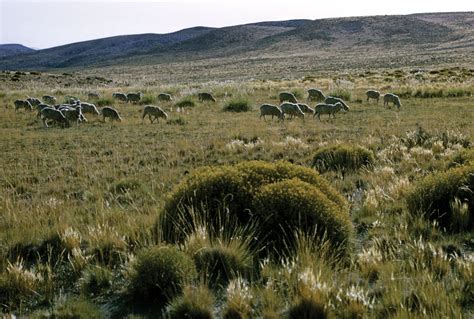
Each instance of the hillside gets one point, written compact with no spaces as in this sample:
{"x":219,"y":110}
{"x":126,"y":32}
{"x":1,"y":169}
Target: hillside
{"x":336,"y":43}
{"x":8,"y":50}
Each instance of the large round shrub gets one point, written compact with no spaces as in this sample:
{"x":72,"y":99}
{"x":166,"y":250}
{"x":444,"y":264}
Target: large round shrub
{"x":159,"y":273}
{"x":292,"y":205}
{"x":219,"y":192}
{"x":443,"y":196}
{"x":342,"y":157}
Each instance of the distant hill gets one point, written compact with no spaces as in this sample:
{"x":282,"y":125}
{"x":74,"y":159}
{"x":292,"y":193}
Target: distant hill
{"x":358,"y":36}
{"x":8,"y":50}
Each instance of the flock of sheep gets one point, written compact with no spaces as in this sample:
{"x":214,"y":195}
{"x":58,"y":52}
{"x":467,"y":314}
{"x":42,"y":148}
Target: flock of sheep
{"x":290,"y":106}
{"x":73,"y":110}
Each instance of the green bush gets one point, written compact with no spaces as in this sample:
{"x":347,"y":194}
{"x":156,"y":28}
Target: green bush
{"x":195,"y":303}
{"x":95,"y":280}
{"x":446,"y":197}
{"x":147,"y":99}
{"x":463,"y":157}
{"x":231,"y":190}
{"x":186,"y":102}
{"x":237,"y":105}
{"x":292,"y":205}
{"x":77,"y":309}
{"x":128,"y":191}
{"x":158,"y":274}
{"x":104,"y":102}
{"x":342,"y":94}
{"x":342,"y":157}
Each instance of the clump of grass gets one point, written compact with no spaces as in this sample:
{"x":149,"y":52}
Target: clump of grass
{"x":237,"y":105}
{"x":159,"y":274}
{"x":128,"y":191}
{"x":77,"y":308}
{"x":342,"y":157}
{"x":194,"y":303}
{"x":176,"y":121}
{"x":104,"y":102}
{"x":309,"y":307}
{"x":239,"y":300}
{"x":147,"y":99}
{"x":298,"y":93}
{"x":95,"y":280}
{"x":445,"y":197}
{"x":186,"y":102}
{"x":342,"y":94}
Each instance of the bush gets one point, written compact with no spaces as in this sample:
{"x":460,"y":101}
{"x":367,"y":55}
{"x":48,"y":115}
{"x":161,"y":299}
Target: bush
{"x":195,"y":303}
{"x":342,"y":157}
{"x":95,"y":280}
{"x":186,"y":102}
{"x":231,"y":190}
{"x":237,"y":105}
{"x":307,"y":308}
{"x":104,"y":102}
{"x":128,"y":191}
{"x":77,"y":308}
{"x":158,"y":274}
{"x":147,"y":99}
{"x":446,"y":197}
{"x":342,"y":94}
{"x":292,"y":205}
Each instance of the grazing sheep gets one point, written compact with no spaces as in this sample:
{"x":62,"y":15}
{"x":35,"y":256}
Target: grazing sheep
{"x":154,"y":112}
{"x":164,"y":97}
{"x":120,"y":96}
{"x":269,"y":109}
{"x":110,"y":112}
{"x":206,"y":97}
{"x":389,"y":97}
{"x":33,"y":101}
{"x":287,"y":96}
{"x":73,"y":114}
{"x":93,"y":95}
{"x":40,"y":107}
{"x":305,"y":108}
{"x":334,"y":100}
{"x":89,"y":108}
{"x":292,"y":110}
{"x":25,"y":104}
{"x":72,"y":100}
{"x":372,"y":94}
{"x":315,"y":95}
{"x":49,"y":99}
{"x":330,"y":109}
{"x":56,"y":116}
{"x":134,"y":97}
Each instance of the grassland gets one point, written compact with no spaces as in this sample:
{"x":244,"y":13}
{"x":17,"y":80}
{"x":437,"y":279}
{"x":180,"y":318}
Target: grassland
{"x":78,"y":205}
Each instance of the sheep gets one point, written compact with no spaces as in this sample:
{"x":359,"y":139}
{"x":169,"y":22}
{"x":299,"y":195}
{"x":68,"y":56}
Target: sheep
{"x":292,"y":109}
{"x":25,"y":104}
{"x":165,"y":97}
{"x":119,"y":96}
{"x":206,"y":97}
{"x":134,"y":97}
{"x":154,"y":112}
{"x":73,"y":114}
{"x":49,"y":99}
{"x":72,"y":100}
{"x":334,"y":100}
{"x":89,"y":108}
{"x":33,"y":101}
{"x":287,"y":96}
{"x":108,"y":111}
{"x":269,"y":109}
{"x":305,"y":108}
{"x":315,"y":95}
{"x":48,"y":113}
{"x":372,"y":94}
{"x":40,"y":107}
{"x":93,"y":95}
{"x":330,"y":109}
{"x":389,"y":97}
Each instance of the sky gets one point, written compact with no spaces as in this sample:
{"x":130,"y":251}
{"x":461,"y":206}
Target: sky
{"x":46,"y":23}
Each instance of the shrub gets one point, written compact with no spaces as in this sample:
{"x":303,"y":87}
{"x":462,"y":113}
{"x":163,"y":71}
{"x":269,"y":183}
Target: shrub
{"x":298,"y":93}
{"x":195,"y":303}
{"x":292,"y":205}
{"x":104,"y":102}
{"x":128,"y":191}
{"x":147,"y":99}
{"x":95,"y":280}
{"x":237,"y":105}
{"x":463,"y":157}
{"x":440,"y":196}
{"x":158,"y":274}
{"x":342,"y":94}
{"x":342,"y":157}
{"x":77,"y":308}
{"x":231,"y":190}
{"x":186,"y":102}
{"x":307,"y":308}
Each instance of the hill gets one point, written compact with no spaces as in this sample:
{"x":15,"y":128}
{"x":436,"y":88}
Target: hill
{"x":8,"y":50}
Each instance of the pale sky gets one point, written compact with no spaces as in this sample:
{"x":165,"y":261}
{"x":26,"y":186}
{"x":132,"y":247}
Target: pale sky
{"x":47,"y":23}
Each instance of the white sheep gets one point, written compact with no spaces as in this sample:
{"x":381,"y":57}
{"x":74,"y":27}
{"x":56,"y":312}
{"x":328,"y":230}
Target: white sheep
{"x":330,"y":109}
{"x":89,"y":108}
{"x":269,"y":109}
{"x":165,"y":97}
{"x":153,"y":112}
{"x":315,"y":95}
{"x":391,"y":98}
{"x":110,"y":112}
{"x":372,"y":94}
{"x":305,"y":108}
{"x":334,"y":100}
{"x":23,"y":104}
{"x":287,"y":96}
{"x":292,"y":110}
{"x":54,"y":115}
{"x":49,"y":99}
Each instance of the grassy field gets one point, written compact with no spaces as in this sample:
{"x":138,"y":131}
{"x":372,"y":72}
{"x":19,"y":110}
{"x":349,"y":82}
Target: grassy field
{"x":79,"y":206}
